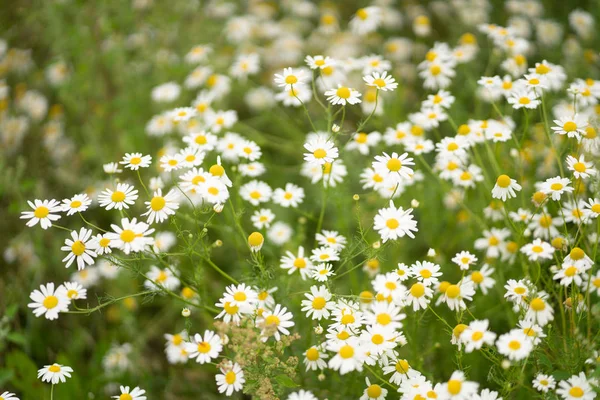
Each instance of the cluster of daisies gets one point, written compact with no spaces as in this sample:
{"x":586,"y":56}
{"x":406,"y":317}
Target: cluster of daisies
{"x":205,"y":163}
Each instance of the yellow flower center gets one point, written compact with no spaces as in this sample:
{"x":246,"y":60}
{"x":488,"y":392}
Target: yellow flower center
{"x":348,"y":319}
{"x":319,"y":153}
{"x":435,"y":70}
{"x":78,"y":248}
{"x":312,"y":354}
{"x":458,"y":330}
{"x":383,"y":319}
{"x":374,"y":391}
{"x":570,"y":126}
{"x":50,"y":302}
{"x":125,"y":396}
{"x":577,"y":254}
{"x":537,"y":304}
{"x":300,"y":263}
{"x":576,"y":391}
{"x":362,"y":14}
{"x":476,"y":336}
{"x":127,"y":236}
{"x":346,"y":351}
{"x":377,"y":339}
{"x":203,"y":347}
{"x":75,"y":204}
{"x":452,"y":147}
{"x":571,"y":271}
{"x":503,"y":181}
{"x":229,"y":309}
{"x":542,"y":69}
{"x":157,"y":203}
{"x":343,"y":92}
{"x":318,"y":303}
{"x":41,"y":212}
{"x":117,"y":196}
{"x":477,"y":277}
{"x":453,"y":291}
{"x":417,"y":290}
{"x":579,"y":167}
{"x":454,"y":386}
{"x":379,"y":82}
{"x":272,"y":320}
{"x":392,"y":223}
{"x":425,"y":273}
{"x":230,"y":377}
{"x":255,"y":239}
{"x":216,"y":170}
{"x":514,"y":345}
{"x":240,"y":296}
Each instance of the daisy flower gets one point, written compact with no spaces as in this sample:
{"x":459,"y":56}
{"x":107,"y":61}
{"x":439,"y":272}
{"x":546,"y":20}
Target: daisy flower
{"x":572,"y":127}
{"x":171,"y":162}
{"x":576,"y":387}
{"x":538,"y":250}
{"x":332,"y":239}
{"x":262,"y":218}
{"x":191,"y":157}
{"x":256,"y":241}
{"x":290,"y":78}
{"x":482,"y":279}
{"x":419,"y":295}
{"x":242,"y":296}
{"x":349,"y":356}
{"x":214,"y":191}
{"x":426,"y":272}
{"x":393,"y":166}
{"x":256,"y":192}
{"x":539,"y":310}
{"x":363,"y":141}
{"x":381,"y":81}
{"x":161,"y":207}
{"x":321,"y":151}
{"x":393,"y":223}
{"x":455,"y":295}
{"x":592,"y":208}
{"x":80,"y":248}
{"x":476,"y":335}
{"x":318,"y":305}
{"x":321,"y":272}
{"x":314,"y":358}
{"x":571,"y":272}
{"x":135,"y":161}
{"x":249,"y":150}
{"x":295,"y":263}
{"x":373,"y":391}
{"x":523,"y":98}
{"x":458,"y":388}
{"x":402,"y":371}
{"x":49,"y":302}
{"x":43,"y":212}
{"x":130,"y":236}
{"x":366,"y":20}
{"x":302,"y":395}
{"x":581,"y":169}
{"x":77,"y":203}
{"x":204,"y":349}
{"x":124,"y":196}
{"x":556,"y":186}
{"x":231,"y":379}
{"x":324,"y":254}
{"x":505,"y":187}
{"x":8,"y":396}
{"x":274,"y":323}
{"x":543,"y":383}
{"x":464,"y":260}
{"x":131,"y":394}
{"x":318,"y":62}
{"x":230,"y":313}
{"x":205,"y":141}
{"x":291,"y":196}
{"x":161,"y":278}
{"x":343,"y":95}
{"x":73,"y":290}
{"x":54,"y":373}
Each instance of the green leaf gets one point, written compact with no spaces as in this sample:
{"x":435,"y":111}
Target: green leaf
{"x":286,"y":381}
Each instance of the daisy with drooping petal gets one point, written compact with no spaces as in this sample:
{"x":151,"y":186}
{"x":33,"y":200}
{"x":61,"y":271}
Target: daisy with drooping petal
{"x":135,"y":161}
{"x":401,"y":369}
{"x":43,"y":212}
{"x":77,"y":203}
{"x":455,"y":295}
{"x":419,"y":296}
{"x":482,"y":279}
{"x":274,"y":323}
{"x":49,"y":302}
{"x":539,"y":310}
{"x":55,"y":373}
{"x":505,"y":187}
{"x":242,"y":296}
{"x":231,"y":379}
{"x":393,"y":223}
{"x":80,"y":248}
{"x":343,"y":95}
{"x":121,"y":198}
{"x":382,"y":81}
{"x":130,"y":236}
{"x":314,"y":358}
{"x":458,"y":388}
{"x":131,"y":394}
{"x":161,"y":207}
{"x":161,"y":278}
{"x":204,"y":348}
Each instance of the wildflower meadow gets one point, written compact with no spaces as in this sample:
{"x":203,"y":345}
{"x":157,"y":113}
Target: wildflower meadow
{"x":300,"y":200}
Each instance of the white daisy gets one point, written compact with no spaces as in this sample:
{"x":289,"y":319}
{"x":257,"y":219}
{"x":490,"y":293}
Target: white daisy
{"x":81,"y":249}
{"x":49,"y":302}
{"x":43,"y":212}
